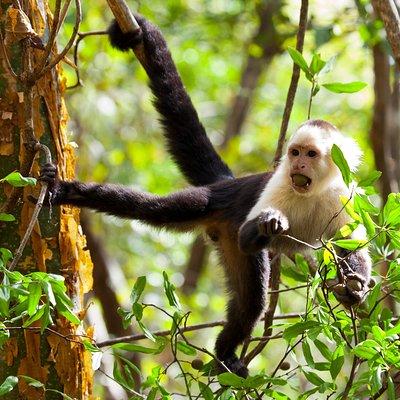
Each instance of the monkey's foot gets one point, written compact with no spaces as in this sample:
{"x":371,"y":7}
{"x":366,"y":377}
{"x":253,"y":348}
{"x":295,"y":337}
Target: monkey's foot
{"x":352,"y":291}
{"x":234,"y":365}
{"x":272,"y":222}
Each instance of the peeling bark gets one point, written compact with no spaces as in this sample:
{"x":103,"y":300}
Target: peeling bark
{"x":57,"y":244}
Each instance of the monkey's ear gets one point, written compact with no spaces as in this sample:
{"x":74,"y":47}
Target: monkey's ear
{"x":123,"y":41}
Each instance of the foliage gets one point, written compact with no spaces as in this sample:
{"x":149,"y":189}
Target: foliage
{"x":316,"y":349}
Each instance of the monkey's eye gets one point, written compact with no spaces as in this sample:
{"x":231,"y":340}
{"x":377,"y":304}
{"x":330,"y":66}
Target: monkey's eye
{"x":295,"y":152}
{"x":312,"y":153}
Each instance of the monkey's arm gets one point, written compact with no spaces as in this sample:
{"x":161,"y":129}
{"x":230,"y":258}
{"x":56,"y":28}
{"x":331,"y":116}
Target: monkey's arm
{"x":178,"y":210}
{"x":186,"y":137}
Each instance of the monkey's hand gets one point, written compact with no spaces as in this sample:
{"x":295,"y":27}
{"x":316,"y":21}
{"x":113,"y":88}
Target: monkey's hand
{"x":272,"y":222}
{"x":257,"y":233}
{"x":48,"y":174}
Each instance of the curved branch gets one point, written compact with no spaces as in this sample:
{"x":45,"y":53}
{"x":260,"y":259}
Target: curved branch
{"x":293,"y":83}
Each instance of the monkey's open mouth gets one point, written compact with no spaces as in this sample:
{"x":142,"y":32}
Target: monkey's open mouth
{"x":300,"y":182}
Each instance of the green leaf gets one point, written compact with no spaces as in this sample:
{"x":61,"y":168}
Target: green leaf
{"x":186,"y":348}
{"x":205,"y":391}
{"x":350,"y":87}
{"x":32,"y":382}
{"x":307,"y":354}
{"x":7,"y":217}
{"x":8,"y":385}
{"x":137,"y":311}
{"x":367,"y":349}
{"x":339,"y":159}
{"x":89,"y":346}
{"x":141,"y":349}
{"x":169,"y":289}
{"x":148,"y":334}
{"x":337,"y":361}
{"x":138,"y":288}
{"x":152,"y":394}
{"x":298,"y":59}
{"x":313,"y":378}
{"x":6,"y":255}
{"x":370,"y":179}
{"x":17,"y":180}
{"x":323,"y":349}
{"x":391,"y":391}
{"x":368,"y":223}
{"x":394,"y":238}
{"x":350,"y":244}
{"x":35,"y":293}
{"x":317,"y":64}
{"x":36,"y":316}
{"x":298,"y":328}
{"x":230,"y":379}
{"x":362,"y":202}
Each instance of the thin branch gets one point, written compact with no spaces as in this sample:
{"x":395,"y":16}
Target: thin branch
{"x":293,"y":83}
{"x":82,"y":36}
{"x":35,"y":213}
{"x":132,"y":338}
{"x":43,"y":69}
{"x":123,"y":15}
{"x":354,"y":368}
{"x":50,"y":43}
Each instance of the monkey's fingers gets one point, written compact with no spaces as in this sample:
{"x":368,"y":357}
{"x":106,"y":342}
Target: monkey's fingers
{"x":48,"y":173}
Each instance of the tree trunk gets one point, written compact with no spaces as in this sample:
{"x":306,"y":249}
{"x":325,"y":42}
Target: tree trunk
{"x":56,"y":244}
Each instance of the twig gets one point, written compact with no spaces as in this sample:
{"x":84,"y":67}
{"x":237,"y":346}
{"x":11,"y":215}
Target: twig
{"x":132,"y":338}
{"x":354,"y":368}
{"x":35,"y":213}
{"x":82,"y":36}
{"x":38,"y":328}
{"x":293,"y":83}
{"x":50,"y":43}
{"x":43,"y":68}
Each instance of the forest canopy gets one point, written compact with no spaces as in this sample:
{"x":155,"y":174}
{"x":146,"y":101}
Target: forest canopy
{"x":141,"y":313}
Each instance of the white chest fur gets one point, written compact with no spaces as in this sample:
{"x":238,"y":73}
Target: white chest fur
{"x":310,"y":217}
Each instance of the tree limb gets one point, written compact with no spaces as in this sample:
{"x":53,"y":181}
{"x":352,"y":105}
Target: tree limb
{"x":293,"y":83}
{"x":387,"y":11}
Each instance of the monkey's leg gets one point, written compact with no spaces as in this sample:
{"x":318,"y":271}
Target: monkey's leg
{"x":257,"y":233}
{"x":247,"y":279}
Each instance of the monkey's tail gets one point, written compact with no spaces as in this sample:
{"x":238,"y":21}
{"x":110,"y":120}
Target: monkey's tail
{"x":186,"y":137}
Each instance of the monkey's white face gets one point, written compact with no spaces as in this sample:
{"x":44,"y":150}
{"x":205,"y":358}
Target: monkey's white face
{"x":309,"y":163}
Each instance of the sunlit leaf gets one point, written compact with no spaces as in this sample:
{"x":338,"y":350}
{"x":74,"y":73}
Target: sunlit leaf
{"x":7,"y":217}
{"x":339,"y":159}
{"x":298,"y":59}
{"x":8,"y":385}
{"x":17,"y":180}
{"x":350,"y":87}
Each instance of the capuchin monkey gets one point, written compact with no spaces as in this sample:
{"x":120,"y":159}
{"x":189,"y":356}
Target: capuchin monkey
{"x":244,"y":217}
